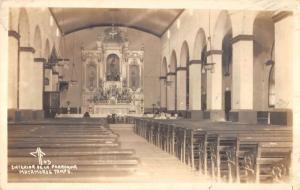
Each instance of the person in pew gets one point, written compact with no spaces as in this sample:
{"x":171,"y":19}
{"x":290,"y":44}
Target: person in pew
{"x":86,"y":115}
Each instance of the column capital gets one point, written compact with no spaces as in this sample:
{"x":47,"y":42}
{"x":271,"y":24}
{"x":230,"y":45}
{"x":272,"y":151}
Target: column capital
{"x":180,"y":69}
{"x":171,"y":73}
{"x":214,"y":52}
{"x":40,"y":59}
{"x":195,"y":62}
{"x":14,"y":34}
{"x":27,"y":49}
{"x":242,"y":37}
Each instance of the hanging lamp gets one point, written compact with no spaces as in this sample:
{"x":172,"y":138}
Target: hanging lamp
{"x":209,"y":66}
{"x":73,"y":81}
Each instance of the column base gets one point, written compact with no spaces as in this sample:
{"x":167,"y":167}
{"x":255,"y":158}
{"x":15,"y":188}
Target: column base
{"x":24,"y":115}
{"x":281,"y":117}
{"x":214,"y":115}
{"x":184,"y":114}
{"x":243,"y":116}
{"x":197,"y":114}
{"x":38,"y":114}
{"x":272,"y":117}
{"x":11,"y":114}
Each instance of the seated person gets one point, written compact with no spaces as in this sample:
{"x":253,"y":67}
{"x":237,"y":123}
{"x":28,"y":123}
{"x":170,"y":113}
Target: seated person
{"x":86,"y":115}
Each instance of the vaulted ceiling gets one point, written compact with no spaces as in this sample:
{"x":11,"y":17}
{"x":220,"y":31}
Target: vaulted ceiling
{"x":153,"y":21}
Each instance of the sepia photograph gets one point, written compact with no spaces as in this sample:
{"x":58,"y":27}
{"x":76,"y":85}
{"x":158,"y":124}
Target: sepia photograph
{"x":200,"y":96}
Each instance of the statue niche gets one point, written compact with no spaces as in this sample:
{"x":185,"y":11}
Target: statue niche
{"x":91,"y":77}
{"x":134,"y":82}
{"x":113,"y":68}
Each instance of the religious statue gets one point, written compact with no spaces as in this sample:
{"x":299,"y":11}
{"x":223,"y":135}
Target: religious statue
{"x":113,"y":68}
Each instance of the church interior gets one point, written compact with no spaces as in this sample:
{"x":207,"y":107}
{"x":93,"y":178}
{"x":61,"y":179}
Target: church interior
{"x":143,"y":95}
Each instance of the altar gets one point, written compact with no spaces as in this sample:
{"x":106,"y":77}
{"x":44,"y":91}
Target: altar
{"x":112,"y":76}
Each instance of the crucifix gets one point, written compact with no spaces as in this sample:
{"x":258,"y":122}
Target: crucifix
{"x":113,"y":32}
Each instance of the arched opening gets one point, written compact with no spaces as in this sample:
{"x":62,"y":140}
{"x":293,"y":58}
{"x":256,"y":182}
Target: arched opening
{"x":263,"y":68}
{"x":172,"y":82}
{"x":203,"y":79}
{"x":200,"y":49}
{"x":164,"y":70}
{"x":38,"y":42}
{"x":47,"y":49}
{"x":23,"y":28}
{"x":183,"y":79}
{"x":223,"y":38}
{"x":113,"y":68}
{"x":25,"y":98}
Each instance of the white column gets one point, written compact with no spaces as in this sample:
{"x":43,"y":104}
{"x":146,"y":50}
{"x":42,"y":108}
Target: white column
{"x":12,"y":72}
{"x":171,"y":93}
{"x":37,"y":90}
{"x":26,"y":98}
{"x":284,"y":63}
{"x":242,"y":73}
{"x":163,"y":91}
{"x":195,"y":86}
{"x":181,"y":89}
{"x":214,"y":82}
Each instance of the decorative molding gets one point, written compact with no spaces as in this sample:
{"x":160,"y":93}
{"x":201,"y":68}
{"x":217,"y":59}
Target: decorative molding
{"x":27,"y":49}
{"x":171,"y":73}
{"x":63,"y":59}
{"x":242,"y":37}
{"x":195,"y":62}
{"x":214,"y":52}
{"x":162,"y":78}
{"x":15,"y":34}
{"x":55,"y":73}
{"x":180,"y":69}
{"x":281,"y":15}
{"x":40,"y":59}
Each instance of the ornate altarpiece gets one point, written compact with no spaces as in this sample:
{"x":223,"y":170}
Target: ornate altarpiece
{"x":112,"y":76}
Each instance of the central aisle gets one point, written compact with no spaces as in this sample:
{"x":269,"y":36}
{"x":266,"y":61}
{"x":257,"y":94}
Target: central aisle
{"x":155,"y":164}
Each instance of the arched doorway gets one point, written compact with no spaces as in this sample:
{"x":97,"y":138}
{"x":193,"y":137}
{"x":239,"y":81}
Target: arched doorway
{"x":183,"y":79}
{"x":263,"y":64}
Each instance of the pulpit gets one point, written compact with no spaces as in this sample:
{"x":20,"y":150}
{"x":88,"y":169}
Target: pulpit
{"x":112,"y":76}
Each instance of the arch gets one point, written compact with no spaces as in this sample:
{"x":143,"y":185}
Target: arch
{"x":199,"y":44}
{"x":163,"y":92}
{"x":223,"y":26}
{"x":263,"y":47}
{"x":183,"y":79}
{"x":184,"y":54}
{"x":222,"y":41}
{"x":38,"y":41}
{"x":47,"y":49}
{"x":164,"y":67}
{"x":173,"y":62}
{"x":171,"y":83}
{"x":24,"y":28}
